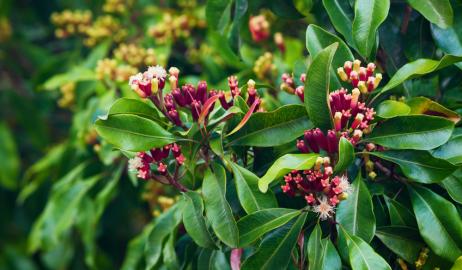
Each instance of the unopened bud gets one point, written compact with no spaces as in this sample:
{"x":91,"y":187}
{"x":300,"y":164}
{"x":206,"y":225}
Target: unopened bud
{"x":174,"y":71}
{"x":356,"y":65}
{"x":300,"y":92}
{"x":372,"y":175}
{"x":348,"y":67}
{"x":354,"y":78}
{"x":362,"y":74}
{"x":354,"y":98}
{"x":370,"y":69}
{"x":154,"y":85}
{"x":338,"y":121}
{"x":378,"y":79}
{"x":341,"y":73}
{"x":362,"y":87}
{"x":343,"y":196}
{"x":326,"y":161}
{"x":358,"y":119}
{"x":318,"y":163}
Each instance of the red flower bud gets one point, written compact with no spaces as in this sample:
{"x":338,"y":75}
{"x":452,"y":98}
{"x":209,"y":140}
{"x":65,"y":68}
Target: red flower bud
{"x":202,"y":91}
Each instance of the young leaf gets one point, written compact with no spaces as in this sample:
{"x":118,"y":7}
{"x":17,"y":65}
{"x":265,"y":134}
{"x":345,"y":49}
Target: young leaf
{"x":418,"y":68}
{"x":346,"y":155}
{"x":356,"y":214}
{"x":217,"y":208}
{"x":253,"y":226}
{"x":436,"y":11}
{"x":133,"y":133}
{"x":436,"y":214}
{"x":285,"y":164}
{"x":420,"y":166}
{"x":194,"y":221}
{"x":164,"y":225}
{"x":419,"y":132}
{"x":361,"y":255}
{"x":315,"y":248}
{"x":423,"y":105}
{"x":402,"y":240}
{"x":341,"y":16}
{"x":317,"y":39}
{"x":134,"y":107}
{"x":274,"y":251}
{"x":392,"y":108}
{"x":317,"y":87}
{"x":247,"y":190}
{"x":245,"y":119}
{"x":369,"y":14}
{"x":265,"y":129}
{"x":453,"y":185}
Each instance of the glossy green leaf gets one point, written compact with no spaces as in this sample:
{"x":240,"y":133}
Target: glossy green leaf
{"x":450,"y":151}
{"x":330,"y":258}
{"x":135,"y":107}
{"x":356,"y":214}
{"x":164,"y":225}
{"x":315,"y":248}
{"x":194,"y":220}
{"x":346,"y":155}
{"x":218,"y":13}
{"x":453,"y":185}
{"x":392,"y":108}
{"x":277,"y":127}
{"x":341,"y":16}
{"x":419,"y":166}
{"x":255,"y":225}
{"x":284,"y":9}
{"x":317,"y":87}
{"x":361,"y":255}
{"x":132,"y":133}
{"x":217,"y":208}
{"x":76,"y":74}
{"x":274,"y":251}
{"x":403,"y":241}
{"x":423,"y":105}
{"x":9,"y":167}
{"x":457,"y":264}
{"x":285,"y":164}
{"x":439,"y":222}
{"x":419,"y":132}
{"x":436,"y":11}
{"x":369,"y":15}
{"x":251,"y":198}
{"x":135,"y":249}
{"x":418,"y":68}
{"x":317,"y":39}
{"x":399,"y":214}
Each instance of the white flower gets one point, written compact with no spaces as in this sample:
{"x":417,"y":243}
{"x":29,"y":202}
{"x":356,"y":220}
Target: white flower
{"x":135,"y":79}
{"x":324,"y":209}
{"x":156,"y":72}
{"x":135,"y":163}
{"x":345,"y":185}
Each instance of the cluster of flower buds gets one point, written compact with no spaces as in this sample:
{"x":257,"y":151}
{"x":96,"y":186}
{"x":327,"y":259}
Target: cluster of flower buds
{"x":104,"y":27}
{"x":68,"y":95}
{"x":109,"y":69}
{"x":71,"y":22}
{"x":117,"y":6}
{"x":151,"y":83}
{"x":288,"y":85}
{"x":157,"y":157}
{"x":318,"y":186}
{"x":173,"y":27}
{"x":135,"y":55}
{"x":259,"y":28}
{"x":264,"y":66}
{"x":360,"y":77}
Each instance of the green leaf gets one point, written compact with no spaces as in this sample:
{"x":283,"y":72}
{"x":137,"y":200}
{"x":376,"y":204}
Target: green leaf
{"x":217,"y":13}
{"x":194,"y":220}
{"x":453,"y":185}
{"x":392,"y":108}
{"x":362,"y":256}
{"x":164,"y":225}
{"x":346,"y":155}
{"x":76,"y":74}
{"x":9,"y":167}
{"x":274,"y":251}
{"x":248,"y":193}
{"x":403,"y":241}
{"x":369,"y":15}
{"x":135,"y":249}
{"x":420,"y":166}
{"x":255,"y":225}
{"x":285,"y":164}
{"x":317,"y":39}
{"x":423,"y":105}
{"x":318,"y":86}
{"x":399,"y":214}
{"x":135,"y":107}
{"x":419,"y":132}
{"x":265,"y":129}
{"x":284,"y":9}
{"x":450,"y":151}
{"x":315,"y":248}
{"x":436,"y":11}
{"x":356,"y":214}
{"x":436,"y":214}
{"x":457,"y":264}
{"x":133,"y":133}
{"x":418,"y":68}
{"x":330,"y":258}
{"x":341,"y":16}
{"x":217,"y":208}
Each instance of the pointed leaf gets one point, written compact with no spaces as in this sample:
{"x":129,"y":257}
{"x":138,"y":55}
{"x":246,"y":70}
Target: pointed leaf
{"x":453,"y":185}
{"x":423,"y":105}
{"x":245,"y":118}
{"x":330,"y":258}
{"x":399,"y":214}
{"x":404,"y":241}
{"x":450,"y":151}
{"x":392,"y":108}
{"x":134,"y":106}
{"x":315,"y":248}
{"x":436,"y":11}
{"x":341,"y":16}
{"x":346,"y":155}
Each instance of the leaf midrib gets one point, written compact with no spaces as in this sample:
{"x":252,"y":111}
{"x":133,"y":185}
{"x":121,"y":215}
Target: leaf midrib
{"x":406,"y":133}
{"x":134,"y":133}
{"x":411,"y":162}
{"x":270,"y":223}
